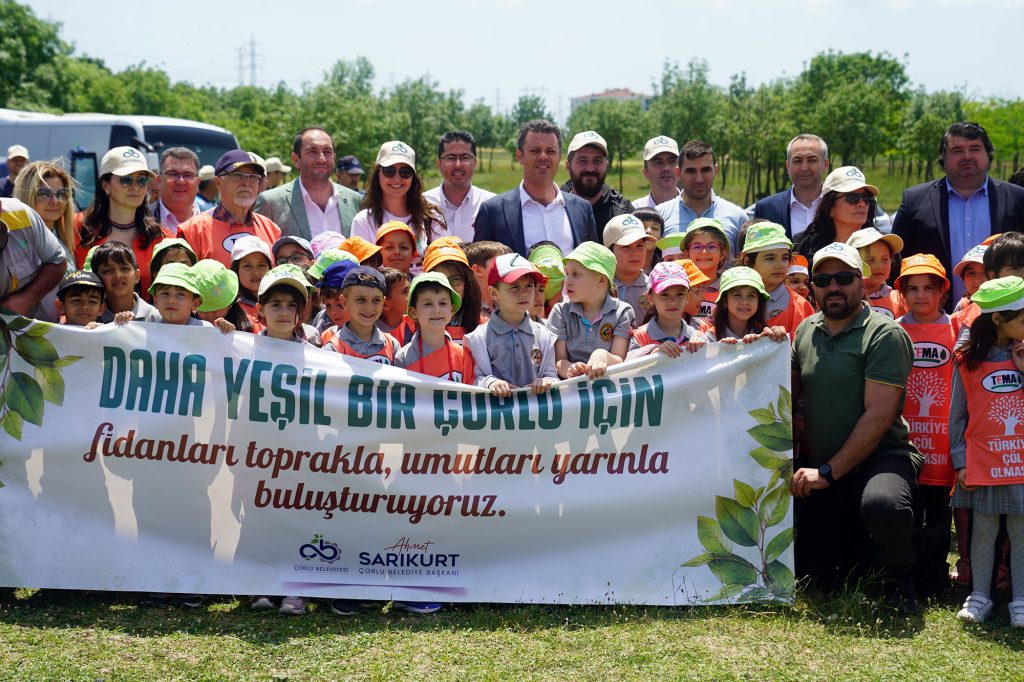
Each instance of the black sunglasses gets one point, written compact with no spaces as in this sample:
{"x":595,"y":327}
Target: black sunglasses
{"x":844,"y":279}
{"x":855,"y":198}
{"x":404,"y":172}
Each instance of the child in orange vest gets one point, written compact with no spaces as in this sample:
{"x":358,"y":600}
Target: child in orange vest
{"x":664,"y":329}
{"x":971,"y":270}
{"x":362,"y":293}
{"x":986,"y":408}
{"x":877,"y":251}
{"x":740,"y":309}
{"x":767,"y":250}
{"x":445,"y":256}
{"x":251,"y":259}
{"x":431,"y":349}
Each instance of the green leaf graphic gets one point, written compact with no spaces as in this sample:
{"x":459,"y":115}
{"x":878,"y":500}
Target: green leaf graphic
{"x":756,"y":594}
{"x":709,"y":532}
{"x":4,"y":345}
{"x":732,"y":569}
{"x":778,"y":545}
{"x":18,"y":323}
{"x":727,"y":592}
{"x":61,"y":363}
{"x":769,"y":459}
{"x":780,"y":576}
{"x":775,"y":436}
{"x":745,"y":494}
{"x":785,"y":406}
{"x":39,"y":329}
{"x":699,"y":560}
{"x":52,"y":384}
{"x":35,"y":350}
{"x":763,"y":416}
{"x":738,"y":523}
{"x":24,"y":396}
{"x":12,"y":424}
{"x":775,"y":506}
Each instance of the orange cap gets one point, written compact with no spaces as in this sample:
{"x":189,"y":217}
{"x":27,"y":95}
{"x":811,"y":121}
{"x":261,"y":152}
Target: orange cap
{"x":797,"y":259}
{"x":921,"y":264}
{"x":359,"y":247}
{"x":438,"y":253}
{"x":396,"y":226}
{"x":693,"y":273}
{"x":988,"y":242}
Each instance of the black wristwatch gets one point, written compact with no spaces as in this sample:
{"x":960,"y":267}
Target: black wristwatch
{"x":825,"y":471}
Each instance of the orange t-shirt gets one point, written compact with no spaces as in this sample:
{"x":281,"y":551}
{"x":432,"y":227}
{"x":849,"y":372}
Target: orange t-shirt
{"x":995,"y":409}
{"x":927,"y":405}
{"x":213,"y":238}
{"x":143,"y":255}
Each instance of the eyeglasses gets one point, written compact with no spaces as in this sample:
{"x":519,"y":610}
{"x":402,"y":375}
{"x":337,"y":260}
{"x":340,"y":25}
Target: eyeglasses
{"x":295,"y":259}
{"x":244,"y":177}
{"x":855,"y":198}
{"x":844,"y":279}
{"x":47,"y":194}
{"x":704,"y":248}
{"x":175,"y":176}
{"x":404,"y":172}
{"x":456,"y":281}
{"x":455,"y":158}
{"x":129,"y":180}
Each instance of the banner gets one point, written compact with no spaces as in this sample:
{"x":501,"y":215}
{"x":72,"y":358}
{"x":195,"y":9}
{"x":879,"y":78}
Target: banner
{"x":159,"y":458}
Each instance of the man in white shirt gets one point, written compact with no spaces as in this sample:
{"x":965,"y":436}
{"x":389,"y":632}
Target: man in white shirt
{"x":178,"y":184}
{"x":794,"y":208}
{"x":661,"y":168}
{"x":456,"y":196}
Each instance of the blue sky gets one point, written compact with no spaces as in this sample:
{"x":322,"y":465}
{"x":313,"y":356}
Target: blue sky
{"x":499,"y":49}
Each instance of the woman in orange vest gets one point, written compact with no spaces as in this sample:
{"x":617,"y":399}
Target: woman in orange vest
{"x":986,"y":409}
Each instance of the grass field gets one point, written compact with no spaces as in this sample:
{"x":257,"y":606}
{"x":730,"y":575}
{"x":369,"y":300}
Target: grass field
{"x":63,"y":635}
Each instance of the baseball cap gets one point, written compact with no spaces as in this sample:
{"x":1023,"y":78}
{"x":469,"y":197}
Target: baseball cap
{"x":436,"y":278}
{"x":359,"y":248}
{"x":292,"y":239}
{"x":921,"y":264}
{"x":176,"y":274}
{"x":867,"y":236}
{"x":350,"y":164}
{"x":596,"y":258}
{"x":396,"y":226}
{"x":548,"y":259}
{"x":206,"y":173}
{"x":448,"y":252}
{"x":169,"y":242}
{"x":841,"y":252}
{"x":327,"y":258}
{"x":991,"y":238}
{"x":334,"y":274}
{"x":508,"y":267}
{"x":623,"y":230}
{"x":798,"y":265}
{"x":847,"y":179}
{"x":17,"y":151}
{"x":671,"y":245}
{"x":668,"y":274}
{"x":243,"y":246}
{"x":740,"y":276}
{"x":587,"y":137}
{"x":975,"y":255}
{"x":79,"y":278}
{"x":693,"y":273}
{"x":124,"y":161}
{"x":396,"y":151}
{"x":998,"y":295}
{"x":234,"y":159}
{"x":285,"y":275}
{"x":325,"y":240}
{"x":766,"y":236}
{"x":275,"y":165}
{"x":708,"y":224}
{"x":659,"y":144}
{"x":362,"y":276}
{"x":217,"y":285}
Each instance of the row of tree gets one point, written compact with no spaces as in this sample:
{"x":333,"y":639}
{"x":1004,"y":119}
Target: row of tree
{"x":862,"y":104}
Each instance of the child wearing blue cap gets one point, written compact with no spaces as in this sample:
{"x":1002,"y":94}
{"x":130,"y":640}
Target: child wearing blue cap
{"x":362,"y":294}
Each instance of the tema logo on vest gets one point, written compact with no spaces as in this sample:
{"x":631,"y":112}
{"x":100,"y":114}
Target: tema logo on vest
{"x":930,"y":355}
{"x":1002,"y":381}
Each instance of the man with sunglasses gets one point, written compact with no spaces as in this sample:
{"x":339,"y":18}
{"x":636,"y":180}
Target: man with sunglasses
{"x":855,"y":481}
{"x":178,"y":184}
{"x":212,"y":234}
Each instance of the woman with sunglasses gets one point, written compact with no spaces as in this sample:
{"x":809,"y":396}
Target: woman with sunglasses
{"x":118,"y":211}
{"x":48,"y":188}
{"x":394,"y":192}
{"x":847,"y":205}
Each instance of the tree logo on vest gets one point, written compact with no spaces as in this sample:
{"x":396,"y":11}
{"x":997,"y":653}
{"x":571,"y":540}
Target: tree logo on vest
{"x":928,"y":355}
{"x":1007,"y":411}
{"x":1002,"y":381}
{"x":926,"y":389}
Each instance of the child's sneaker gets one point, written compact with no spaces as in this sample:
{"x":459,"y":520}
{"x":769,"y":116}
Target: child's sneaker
{"x":1017,"y":614}
{"x":345,"y":607}
{"x":293,"y":606}
{"x":420,"y":606}
{"x":261,"y":603}
{"x":975,"y":609}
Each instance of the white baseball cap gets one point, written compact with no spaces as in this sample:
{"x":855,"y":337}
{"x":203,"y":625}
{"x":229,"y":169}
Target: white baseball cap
{"x":275,"y":165}
{"x":866,"y":236}
{"x":124,"y":161}
{"x":658,"y":145}
{"x":587,"y":137}
{"x":396,"y":151}
{"x":838,"y":251}
{"x":847,"y":179}
{"x":17,"y":151}
{"x":624,"y":230}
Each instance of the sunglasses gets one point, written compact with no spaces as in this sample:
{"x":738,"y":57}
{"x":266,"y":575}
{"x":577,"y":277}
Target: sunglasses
{"x":844,"y":279}
{"x":704,"y":248}
{"x":129,"y":180}
{"x":46,"y":194}
{"x":404,"y":172}
{"x":854,"y":199}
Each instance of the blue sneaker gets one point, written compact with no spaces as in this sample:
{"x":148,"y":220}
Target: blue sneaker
{"x":420,"y":606}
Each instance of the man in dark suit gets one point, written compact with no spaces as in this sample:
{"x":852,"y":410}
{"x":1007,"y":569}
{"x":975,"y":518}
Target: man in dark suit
{"x":537,"y":210}
{"x":793,"y":208}
{"x":951,"y":215}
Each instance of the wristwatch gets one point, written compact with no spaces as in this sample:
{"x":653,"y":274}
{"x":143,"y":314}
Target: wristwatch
{"x":825,"y":471}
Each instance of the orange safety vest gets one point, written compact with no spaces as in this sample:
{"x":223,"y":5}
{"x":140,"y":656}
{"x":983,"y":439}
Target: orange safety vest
{"x":793,"y":314}
{"x":253,"y":315}
{"x":965,"y":317}
{"x":927,"y":405}
{"x":707,"y":306}
{"x":995,"y":406}
{"x":386,"y":355}
{"x":892,"y":306}
{"x":452,"y":362}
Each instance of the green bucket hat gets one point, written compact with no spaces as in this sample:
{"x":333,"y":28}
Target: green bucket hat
{"x":287,"y":274}
{"x":740,"y":276}
{"x":672,"y":245}
{"x":176,"y":274}
{"x":766,"y":236}
{"x":217,"y":285}
{"x":328,"y":258}
{"x":1002,"y":294}
{"x":87,"y":265}
{"x":597,"y":258}
{"x":708,"y":223}
{"x":172,"y":242}
{"x":436,"y":278}
{"x":548,"y":260}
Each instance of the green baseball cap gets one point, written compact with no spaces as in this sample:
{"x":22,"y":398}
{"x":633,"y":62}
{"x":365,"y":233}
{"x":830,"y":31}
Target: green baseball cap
{"x":597,"y":258}
{"x":217,"y":285}
{"x":172,"y":242}
{"x":766,"y":236}
{"x":178,"y":275}
{"x":998,"y":295}
{"x":286,"y":274}
{"x":708,"y":223}
{"x":672,"y":245}
{"x":436,"y":278}
{"x":548,"y":260}
{"x":326,"y":259}
{"x":740,"y":276}
{"x":87,"y":265}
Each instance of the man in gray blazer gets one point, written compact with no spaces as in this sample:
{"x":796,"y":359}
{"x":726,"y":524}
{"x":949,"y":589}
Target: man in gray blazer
{"x":313,"y":203}
{"x":537,"y":210}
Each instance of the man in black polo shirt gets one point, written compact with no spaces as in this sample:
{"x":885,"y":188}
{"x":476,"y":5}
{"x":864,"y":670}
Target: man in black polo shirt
{"x":587,"y":163}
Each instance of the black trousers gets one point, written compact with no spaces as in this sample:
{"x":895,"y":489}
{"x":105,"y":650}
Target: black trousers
{"x":932,"y":520}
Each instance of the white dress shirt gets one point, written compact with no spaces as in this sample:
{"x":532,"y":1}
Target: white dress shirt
{"x":459,"y":217}
{"x":801,"y":216}
{"x":169,"y":220}
{"x":546,"y":223}
{"x":326,"y":220}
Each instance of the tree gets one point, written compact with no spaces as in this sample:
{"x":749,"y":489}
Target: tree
{"x":1004,"y":121}
{"x":1007,"y":411}
{"x":924,"y":120}
{"x":926,"y":388}
{"x":688,"y":106}
{"x":26,"y":44}
{"x":622,"y":123}
{"x":487,"y":128}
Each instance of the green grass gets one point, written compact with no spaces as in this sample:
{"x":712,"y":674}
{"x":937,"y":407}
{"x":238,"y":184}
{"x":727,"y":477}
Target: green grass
{"x":68,"y":635}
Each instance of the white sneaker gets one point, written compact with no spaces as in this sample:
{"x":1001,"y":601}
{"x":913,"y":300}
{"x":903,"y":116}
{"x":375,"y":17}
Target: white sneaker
{"x":293,"y":606}
{"x":976,"y":609}
{"x":1017,"y":614}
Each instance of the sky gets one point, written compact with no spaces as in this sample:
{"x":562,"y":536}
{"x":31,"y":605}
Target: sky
{"x":498,"y":50}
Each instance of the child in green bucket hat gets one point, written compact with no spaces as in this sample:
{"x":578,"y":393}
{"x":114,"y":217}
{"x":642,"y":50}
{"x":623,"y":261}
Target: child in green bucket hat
{"x":740,"y":309}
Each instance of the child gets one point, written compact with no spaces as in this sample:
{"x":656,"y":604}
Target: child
{"x":115,"y":264}
{"x":923,"y":285}
{"x":593,"y":327}
{"x":877,"y":251}
{"x":294,"y":251}
{"x":798,"y":276}
{"x":982,"y":424}
{"x":740,"y":309}
{"x":971,"y":270}
{"x":250,"y":260}
{"x":334,"y":313}
{"x":393,"y":319}
{"x":549,"y":260}
{"x":695,"y":296}
{"x":654,"y":226}
{"x":175,"y":297}
{"x":510,"y":350}
{"x":362,"y":294}
{"x":666,"y":331}
{"x":171,"y":250}
{"x":80,"y":298}
{"x":1003,"y":257}
{"x":481,"y":256}
{"x":445,"y":256}
{"x":707,"y":245}
{"x":218,"y":288}
{"x":328,"y":239}
{"x":671,"y":248}
{"x":766,"y":249}
{"x":397,"y":243}
{"x":627,"y":239}
{"x":431,"y":349}
{"x":366,"y":253}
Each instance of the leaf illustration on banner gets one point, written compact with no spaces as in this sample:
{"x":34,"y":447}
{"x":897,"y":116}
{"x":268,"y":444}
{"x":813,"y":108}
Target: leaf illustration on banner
{"x":709,"y":532}
{"x":738,"y":523}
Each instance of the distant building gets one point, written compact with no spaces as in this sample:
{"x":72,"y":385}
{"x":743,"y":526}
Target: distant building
{"x":611,"y":93}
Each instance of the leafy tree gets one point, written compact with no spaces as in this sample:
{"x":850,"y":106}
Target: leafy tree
{"x":622,"y":123}
{"x":926,"y":117}
{"x":26,"y":44}
{"x":688,"y":106}
{"x":1004,"y":121}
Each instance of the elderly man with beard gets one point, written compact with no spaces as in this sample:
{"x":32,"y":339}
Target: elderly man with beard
{"x":587,"y":163}
{"x":855,"y":483}
{"x":212,"y":234}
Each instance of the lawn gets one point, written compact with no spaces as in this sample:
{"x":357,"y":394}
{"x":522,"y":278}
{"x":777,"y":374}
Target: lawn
{"x":67,"y":635}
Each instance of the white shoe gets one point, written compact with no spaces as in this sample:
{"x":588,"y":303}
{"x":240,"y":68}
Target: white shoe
{"x":1017,"y":614}
{"x":976,"y":609}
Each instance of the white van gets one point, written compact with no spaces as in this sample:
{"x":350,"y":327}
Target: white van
{"x":83,"y":139}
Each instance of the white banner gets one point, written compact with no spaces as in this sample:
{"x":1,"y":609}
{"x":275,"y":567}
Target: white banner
{"x":159,"y":458}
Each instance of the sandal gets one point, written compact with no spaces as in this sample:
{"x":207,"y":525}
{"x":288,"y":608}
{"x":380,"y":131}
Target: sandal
{"x":976,"y":609}
{"x":1017,"y":614}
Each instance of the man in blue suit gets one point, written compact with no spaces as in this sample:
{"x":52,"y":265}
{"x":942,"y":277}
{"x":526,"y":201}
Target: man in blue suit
{"x":537,"y":210}
{"x":794,"y":208}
